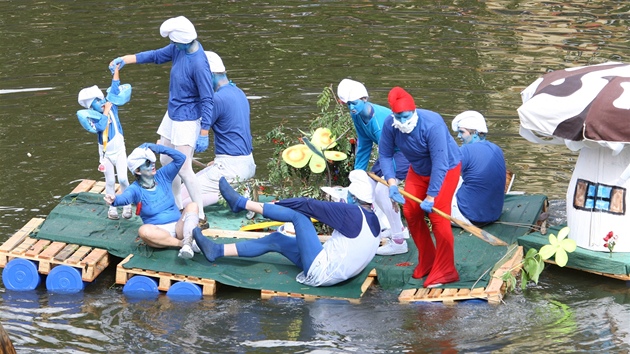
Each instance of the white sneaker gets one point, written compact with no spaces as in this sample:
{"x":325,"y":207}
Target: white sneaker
{"x":112,"y":213}
{"x":194,"y":247}
{"x":127,"y":212}
{"x":392,"y":248}
{"x":186,"y":252}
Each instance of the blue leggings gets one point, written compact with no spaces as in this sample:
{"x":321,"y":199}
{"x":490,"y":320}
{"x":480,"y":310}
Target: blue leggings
{"x":301,"y":249}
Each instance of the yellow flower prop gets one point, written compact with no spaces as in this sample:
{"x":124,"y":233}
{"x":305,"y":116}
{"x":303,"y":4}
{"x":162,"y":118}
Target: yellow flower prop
{"x":559,"y":246}
{"x":314,"y":151}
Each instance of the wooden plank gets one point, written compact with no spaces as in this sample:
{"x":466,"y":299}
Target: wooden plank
{"x":496,"y":281}
{"x":52,"y":250}
{"x":78,"y":255}
{"x":21,"y":234}
{"x":84,"y":186}
{"x":121,"y":273}
{"x":37,"y":248}
{"x":98,"y":187}
{"x":94,"y":264}
{"x":244,"y":234}
{"x":24,"y":246}
{"x":66,"y":252}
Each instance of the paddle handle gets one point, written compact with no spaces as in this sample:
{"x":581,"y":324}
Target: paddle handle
{"x":482,"y":234}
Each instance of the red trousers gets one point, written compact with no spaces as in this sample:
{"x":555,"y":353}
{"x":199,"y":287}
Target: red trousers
{"x":435,"y":260}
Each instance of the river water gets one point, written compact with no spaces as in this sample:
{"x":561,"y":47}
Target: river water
{"x":451,"y":55}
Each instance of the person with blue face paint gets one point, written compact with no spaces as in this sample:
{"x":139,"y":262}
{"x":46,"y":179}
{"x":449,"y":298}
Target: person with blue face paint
{"x":190,"y":97}
{"x":232,"y":136}
{"x":368,"y":119}
{"x":345,"y":254}
{"x":163,"y":225}
{"x":434,"y":168}
{"x":480,"y":194}
{"x":111,"y":142}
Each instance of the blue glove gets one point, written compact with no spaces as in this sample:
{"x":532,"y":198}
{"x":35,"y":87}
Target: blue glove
{"x":427,"y":206}
{"x":395,"y":195}
{"x":146,"y":146}
{"x":117,"y":61}
{"x":202,"y":143}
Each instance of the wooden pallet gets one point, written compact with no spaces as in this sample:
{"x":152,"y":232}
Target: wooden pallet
{"x":268,"y":294}
{"x":48,"y":254}
{"x":165,"y":279}
{"x":493,"y":293}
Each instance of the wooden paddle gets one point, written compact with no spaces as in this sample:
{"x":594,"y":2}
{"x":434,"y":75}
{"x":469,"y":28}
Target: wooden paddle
{"x":482,"y":234}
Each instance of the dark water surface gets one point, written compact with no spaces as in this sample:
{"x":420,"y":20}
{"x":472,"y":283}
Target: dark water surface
{"x":451,"y":55}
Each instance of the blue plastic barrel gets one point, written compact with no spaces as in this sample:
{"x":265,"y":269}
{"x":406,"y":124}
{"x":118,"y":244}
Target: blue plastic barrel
{"x":141,"y":286}
{"x":20,"y":274}
{"x":64,"y":279}
{"x":185,"y":291}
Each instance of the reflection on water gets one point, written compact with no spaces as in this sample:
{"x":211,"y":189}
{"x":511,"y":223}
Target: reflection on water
{"x":451,"y":55}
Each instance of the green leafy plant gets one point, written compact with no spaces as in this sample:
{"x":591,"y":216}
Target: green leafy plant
{"x":285,"y":181}
{"x":533,"y":263}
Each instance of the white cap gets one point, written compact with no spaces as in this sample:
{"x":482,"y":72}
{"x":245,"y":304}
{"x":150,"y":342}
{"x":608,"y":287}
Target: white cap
{"x":138,"y":157}
{"x":470,"y":120}
{"x":361,"y":186}
{"x":87,"y":95}
{"x":350,"y":90}
{"x":337,"y":194}
{"x":216,"y":64}
{"x":179,"y":30}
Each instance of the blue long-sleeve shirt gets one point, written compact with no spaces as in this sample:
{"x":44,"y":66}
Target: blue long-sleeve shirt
{"x":190,"y":88}
{"x":481,"y":195}
{"x":230,"y":123}
{"x":157,"y":206}
{"x":369,"y":134}
{"x":429,"y":147}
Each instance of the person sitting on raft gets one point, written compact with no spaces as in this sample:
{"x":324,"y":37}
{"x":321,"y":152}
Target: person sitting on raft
{"x":163,"y":224}
{"x":481,"y":191}
{"x":353,"y":244}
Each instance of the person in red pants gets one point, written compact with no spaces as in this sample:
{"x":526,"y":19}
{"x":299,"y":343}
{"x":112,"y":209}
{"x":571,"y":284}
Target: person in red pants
{"x":435,"y":163}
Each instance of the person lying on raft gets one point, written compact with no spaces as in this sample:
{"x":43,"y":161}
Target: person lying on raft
{"x":352,"y":246}
{"x":152,"y":192}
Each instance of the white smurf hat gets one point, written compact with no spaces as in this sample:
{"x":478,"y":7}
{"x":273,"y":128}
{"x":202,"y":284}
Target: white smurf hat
{"x":361,"y":186}
{"x":350,"y":90}
{"x":470,"y":120}
{"x":216,"y":64}
{"x":88,"y":94}
{"x":337,"y":194}
{"x":179,"y":30}
{"x":138,"y":157}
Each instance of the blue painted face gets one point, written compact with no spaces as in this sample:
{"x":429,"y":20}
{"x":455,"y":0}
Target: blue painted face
{"x":97,"y":104}
{"x":351,"y":199}
{"x":182,"y":46}
{"x":356,"y":106}
{"x":403,"y":116}
{"x":466,"y":137}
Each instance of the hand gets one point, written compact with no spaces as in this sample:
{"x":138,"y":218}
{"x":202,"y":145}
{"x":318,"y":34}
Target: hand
{"x":427,"y":205}
{"x":146,"y":146}
{"x":394,"y":194}
{"x":202,"y":143}
{"x":109,"y":199}
{"x":118,"y":61}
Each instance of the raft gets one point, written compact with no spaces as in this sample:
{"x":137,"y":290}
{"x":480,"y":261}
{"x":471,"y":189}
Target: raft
{"x":79,"y":222}
{"x":614,"y":265}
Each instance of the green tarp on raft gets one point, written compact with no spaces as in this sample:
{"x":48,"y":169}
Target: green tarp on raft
{"x":81,"y":219}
